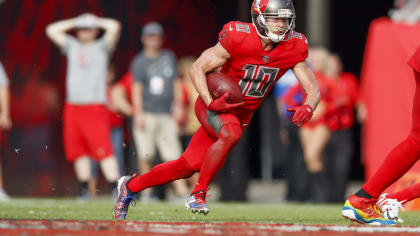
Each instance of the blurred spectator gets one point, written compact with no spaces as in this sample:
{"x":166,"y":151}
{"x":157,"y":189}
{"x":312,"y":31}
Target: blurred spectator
{"x":406,"y":11}
{"x":85,"y":119}
{"x":315,"y":134}
{"x":5,"y":121}
{"x":297,"y":176}
{"x":157,"y":101}
{"x":339,"y":149}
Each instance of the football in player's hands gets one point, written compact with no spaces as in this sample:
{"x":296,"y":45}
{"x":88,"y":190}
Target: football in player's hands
{"x":219,"y":84}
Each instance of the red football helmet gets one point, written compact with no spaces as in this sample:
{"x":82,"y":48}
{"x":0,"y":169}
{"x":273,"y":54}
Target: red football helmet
{"x":263,"y":9}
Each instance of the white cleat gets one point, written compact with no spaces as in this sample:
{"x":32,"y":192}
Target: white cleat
{"x":390,"y":207}
{"x":196,"y":203}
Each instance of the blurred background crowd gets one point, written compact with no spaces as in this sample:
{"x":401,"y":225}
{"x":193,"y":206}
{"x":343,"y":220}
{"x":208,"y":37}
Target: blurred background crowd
{"x":138,"y":39}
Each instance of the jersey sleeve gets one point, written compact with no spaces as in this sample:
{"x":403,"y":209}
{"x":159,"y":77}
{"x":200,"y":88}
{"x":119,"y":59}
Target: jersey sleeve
{"x":232,"y":34}
{"x":414,"y":61}
{"x":301,"y":47}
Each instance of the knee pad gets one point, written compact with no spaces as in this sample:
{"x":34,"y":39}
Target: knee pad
{"x":214,"y":122}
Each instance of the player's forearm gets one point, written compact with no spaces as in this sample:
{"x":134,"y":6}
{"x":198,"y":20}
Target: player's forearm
{"x":199,"y":80}
{"x":313,"y":95}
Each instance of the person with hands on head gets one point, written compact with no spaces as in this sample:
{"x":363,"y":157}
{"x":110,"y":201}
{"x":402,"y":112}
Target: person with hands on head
{"x":86,"y":126}
{"x":255,"y":55}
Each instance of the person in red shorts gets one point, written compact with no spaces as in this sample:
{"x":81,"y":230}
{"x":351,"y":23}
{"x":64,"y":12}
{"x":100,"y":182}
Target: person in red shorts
{"x":363,"y":205}
{"x":255,"y":55}
{"x":86,"y":126}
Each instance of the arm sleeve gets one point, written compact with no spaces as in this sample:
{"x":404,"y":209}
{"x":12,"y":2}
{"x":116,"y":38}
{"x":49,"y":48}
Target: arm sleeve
{"x":4,"y":81}
{"x":301,"y":48}
{"x":69,"y":42}
{"x":414,"y":61}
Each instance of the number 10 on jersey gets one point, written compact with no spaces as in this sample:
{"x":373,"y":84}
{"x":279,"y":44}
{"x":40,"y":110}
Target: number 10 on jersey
{"x":257,"y":80}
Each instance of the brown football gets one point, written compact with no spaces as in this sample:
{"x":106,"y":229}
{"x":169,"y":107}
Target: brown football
{"x":219,"y":83}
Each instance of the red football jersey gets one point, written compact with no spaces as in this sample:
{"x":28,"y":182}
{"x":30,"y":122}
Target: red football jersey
{"x":255,"y":69}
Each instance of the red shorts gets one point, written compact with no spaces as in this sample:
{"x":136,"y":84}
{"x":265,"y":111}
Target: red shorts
{"x":86,"y":131}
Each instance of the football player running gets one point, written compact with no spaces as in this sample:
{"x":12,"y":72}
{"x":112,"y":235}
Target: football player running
{"x":255,"y":55}
{"x":364,"y":206}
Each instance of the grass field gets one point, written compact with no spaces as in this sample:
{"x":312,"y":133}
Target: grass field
{"x":287,"y":213}
{"x":70,"y":217}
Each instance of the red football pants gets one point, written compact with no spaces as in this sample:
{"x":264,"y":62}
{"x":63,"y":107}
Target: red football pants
{"x":206,"y":152}
{"x":402,"y":157}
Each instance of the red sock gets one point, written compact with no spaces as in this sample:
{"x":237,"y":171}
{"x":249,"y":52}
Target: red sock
{"x":161,"y":174}
{"x":216,"y":155}
{"x":406,"y":194}
{"x":396,"y":164}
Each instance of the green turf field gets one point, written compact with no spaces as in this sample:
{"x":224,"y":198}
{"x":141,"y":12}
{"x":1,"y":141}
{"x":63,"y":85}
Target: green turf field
{"x":287,"y":213}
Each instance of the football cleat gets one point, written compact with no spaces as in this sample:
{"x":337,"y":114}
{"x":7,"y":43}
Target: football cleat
{"x":390,"y":207}
{"x":125,"y":197}
{"x":364,"y":211}
{"x":196,"y":203}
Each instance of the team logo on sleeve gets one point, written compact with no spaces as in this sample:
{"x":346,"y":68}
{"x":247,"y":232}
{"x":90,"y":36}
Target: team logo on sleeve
{"x":266,"y":58}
